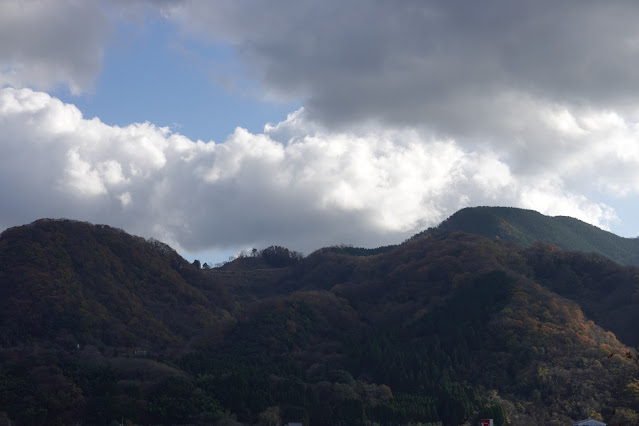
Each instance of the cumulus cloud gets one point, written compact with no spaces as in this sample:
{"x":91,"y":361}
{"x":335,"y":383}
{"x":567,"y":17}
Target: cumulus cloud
{"x":412,"y":110}
{"x":297,"y":184}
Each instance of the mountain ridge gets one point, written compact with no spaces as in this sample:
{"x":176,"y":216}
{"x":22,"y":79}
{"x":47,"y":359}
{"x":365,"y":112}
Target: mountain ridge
{"x":445,"y":328}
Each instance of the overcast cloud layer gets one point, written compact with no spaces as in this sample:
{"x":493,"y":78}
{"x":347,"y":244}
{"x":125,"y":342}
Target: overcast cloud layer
{"x":421,"y":61}
{"x":51,"y":42}
{"x":412,"y":110}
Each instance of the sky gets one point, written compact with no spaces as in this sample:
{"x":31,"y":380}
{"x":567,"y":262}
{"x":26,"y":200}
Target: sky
{"x":218,"y":126}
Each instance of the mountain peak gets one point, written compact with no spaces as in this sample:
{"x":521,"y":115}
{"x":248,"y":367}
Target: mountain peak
{"x":528,"y":226}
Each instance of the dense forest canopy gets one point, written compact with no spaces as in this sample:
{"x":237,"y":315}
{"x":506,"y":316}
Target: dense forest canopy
{"x":98,"y":326}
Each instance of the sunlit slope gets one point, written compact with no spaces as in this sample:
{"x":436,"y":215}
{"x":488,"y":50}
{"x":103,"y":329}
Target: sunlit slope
{"x":528,"y":226}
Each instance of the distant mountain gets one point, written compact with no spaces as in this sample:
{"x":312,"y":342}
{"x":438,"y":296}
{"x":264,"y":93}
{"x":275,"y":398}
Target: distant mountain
{"x":448,"y":327}
{"x":528,"y":226}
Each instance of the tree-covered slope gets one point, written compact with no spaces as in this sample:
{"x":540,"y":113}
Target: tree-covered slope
{"x":84,"y":283}
{"x":445,"y":328}
{"x":453,"y":326}
{"x":528,"y":226}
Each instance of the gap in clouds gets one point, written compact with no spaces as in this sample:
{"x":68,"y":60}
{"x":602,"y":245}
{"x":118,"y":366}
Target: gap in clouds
{"x":150,"y":74}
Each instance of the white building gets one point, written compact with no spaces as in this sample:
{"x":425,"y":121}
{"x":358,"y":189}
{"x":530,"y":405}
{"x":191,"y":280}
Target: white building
{"x":589,"y":422}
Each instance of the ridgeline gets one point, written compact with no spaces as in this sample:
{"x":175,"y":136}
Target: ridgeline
{"x":484,"y":317}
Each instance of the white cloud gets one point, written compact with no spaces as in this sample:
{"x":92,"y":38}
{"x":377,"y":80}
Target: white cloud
{"x":412,"y":110}
{"x":290,"y":185}
{"x":81,"y":177}
{"x":522,"y":80}
{"x":125,"y":198}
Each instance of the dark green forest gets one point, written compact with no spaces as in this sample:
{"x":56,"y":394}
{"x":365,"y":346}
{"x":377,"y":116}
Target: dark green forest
{"x":528,"y":226}
{"x":100,"y":327}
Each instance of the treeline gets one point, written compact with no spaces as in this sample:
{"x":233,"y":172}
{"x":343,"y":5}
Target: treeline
{"x":273,"y":256}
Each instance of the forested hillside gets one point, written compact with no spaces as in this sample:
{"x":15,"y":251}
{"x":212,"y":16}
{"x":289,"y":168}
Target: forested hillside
{"x":98,"y":326}
{"x":528,"y":226}
{"x":96,"y":284}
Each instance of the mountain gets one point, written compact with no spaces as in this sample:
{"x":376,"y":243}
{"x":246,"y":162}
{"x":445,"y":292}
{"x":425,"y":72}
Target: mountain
{"x":528,"y":226}
{"x":448,"y":327}
{"x":72,"y":281}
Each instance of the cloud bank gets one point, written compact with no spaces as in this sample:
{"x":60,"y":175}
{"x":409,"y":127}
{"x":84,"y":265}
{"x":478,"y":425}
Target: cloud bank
{"x":412,"y":110}
{"x":296,"y":184}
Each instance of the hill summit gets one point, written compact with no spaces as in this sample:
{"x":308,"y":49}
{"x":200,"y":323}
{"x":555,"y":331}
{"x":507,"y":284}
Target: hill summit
{"x":528,"y":226}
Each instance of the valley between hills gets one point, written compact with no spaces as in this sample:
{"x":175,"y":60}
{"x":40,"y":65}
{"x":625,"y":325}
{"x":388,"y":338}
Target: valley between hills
{"x":498,"y":313}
